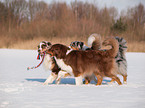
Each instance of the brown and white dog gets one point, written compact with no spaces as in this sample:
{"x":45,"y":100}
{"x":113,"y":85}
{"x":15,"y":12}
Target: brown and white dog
{"x":94,"y":41}
{"x":120,"y":57}
{"x":85,"y":63}
{"x":49,"y":62}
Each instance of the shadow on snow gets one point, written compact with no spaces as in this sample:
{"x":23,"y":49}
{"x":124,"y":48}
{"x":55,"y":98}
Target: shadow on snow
{"x":63,"y":81}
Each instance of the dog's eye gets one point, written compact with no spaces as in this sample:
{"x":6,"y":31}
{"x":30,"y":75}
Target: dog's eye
{"x":73,"y":44}
{"x":51,"y":50}
{"x":43,"y":46}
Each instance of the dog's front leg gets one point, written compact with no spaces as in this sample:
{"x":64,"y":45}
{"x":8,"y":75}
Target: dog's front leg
{"x":79,"y":80}
{"x":50,"y":79}
{"x":62,"y":74}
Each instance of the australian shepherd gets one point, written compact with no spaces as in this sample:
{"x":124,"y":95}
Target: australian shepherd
{"x":84,"y":63}
{"x":49,"y":63}
{"x":94,"y":41}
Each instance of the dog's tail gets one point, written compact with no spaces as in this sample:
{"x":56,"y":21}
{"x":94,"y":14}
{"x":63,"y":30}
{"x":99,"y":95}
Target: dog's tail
{"x":121,"y":58}
{"x":122,"y":49}
{"x":94,"y":41}
{"x":115,"y":47}
{"x":122,"y":45}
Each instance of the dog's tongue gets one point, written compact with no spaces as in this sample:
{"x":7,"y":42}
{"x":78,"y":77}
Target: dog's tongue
{"x":38,"y":57}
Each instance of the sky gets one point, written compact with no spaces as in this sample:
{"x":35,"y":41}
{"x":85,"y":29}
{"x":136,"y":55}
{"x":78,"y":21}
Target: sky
{"x":118,"y":4}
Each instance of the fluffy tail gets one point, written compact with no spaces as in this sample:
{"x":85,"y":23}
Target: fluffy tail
{"x":122,"y":49}
{"x":122,"y":44}
{"x":115,"y":47}
{"x":94,"y":41}
{"x":121,"y":58}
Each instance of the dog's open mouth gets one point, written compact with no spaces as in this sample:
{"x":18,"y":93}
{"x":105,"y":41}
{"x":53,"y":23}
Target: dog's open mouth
{"x":40,"y":54}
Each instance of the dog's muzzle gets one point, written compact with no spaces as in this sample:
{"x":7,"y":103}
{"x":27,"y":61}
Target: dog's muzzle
{"x":40,"y":54}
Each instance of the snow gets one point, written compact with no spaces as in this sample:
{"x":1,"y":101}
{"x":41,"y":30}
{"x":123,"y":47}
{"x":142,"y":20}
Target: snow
{"x":20,"y":88}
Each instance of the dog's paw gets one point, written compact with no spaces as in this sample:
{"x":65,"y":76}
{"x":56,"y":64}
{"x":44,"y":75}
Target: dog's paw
{"x":58,"y":80}
{"x":110,"y":83}
{"x":45,"y":83}
{"x":125,"y":82}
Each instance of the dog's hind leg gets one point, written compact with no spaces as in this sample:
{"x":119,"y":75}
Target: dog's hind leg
{"x":93,"y":78}
{"x":99,"y":78}
{"x":112,"y":81}
{"x":87,"y":80}
{"x":125,"y":79}
{"x":116,"y":79}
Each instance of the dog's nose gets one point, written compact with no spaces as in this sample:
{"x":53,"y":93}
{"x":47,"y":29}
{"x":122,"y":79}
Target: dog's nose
{"x":39,"y":51}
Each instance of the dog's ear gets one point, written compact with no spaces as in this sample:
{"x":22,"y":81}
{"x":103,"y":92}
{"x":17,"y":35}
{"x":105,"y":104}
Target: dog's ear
{"x":48,"y":43}
{"x":68,"y":48}
{"x":73,"y":44}
{"x":77,"y":43}
{"x":81,"y":45}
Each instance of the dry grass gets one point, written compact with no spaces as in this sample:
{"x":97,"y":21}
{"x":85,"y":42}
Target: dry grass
{"x":136,"y":47}
{"x":61,"y":23}
{"x":32,"y":44}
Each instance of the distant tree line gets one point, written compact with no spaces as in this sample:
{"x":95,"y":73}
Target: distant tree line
{"x":24,"y":20}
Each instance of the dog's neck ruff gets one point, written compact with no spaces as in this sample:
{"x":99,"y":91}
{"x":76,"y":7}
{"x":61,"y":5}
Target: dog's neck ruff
{"x":38,"y":64}
{"x":64,"y":66}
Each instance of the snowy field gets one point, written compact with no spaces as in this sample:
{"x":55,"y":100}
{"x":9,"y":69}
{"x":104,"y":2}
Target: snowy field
{"x":20,"y":88}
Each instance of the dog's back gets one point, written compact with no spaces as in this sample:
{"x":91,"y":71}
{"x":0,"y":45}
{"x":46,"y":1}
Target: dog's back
{"x":90,"y":61}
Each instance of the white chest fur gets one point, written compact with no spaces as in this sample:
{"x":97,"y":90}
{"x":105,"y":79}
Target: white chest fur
{"x":63,"y":66}
{"x":47,"y":62}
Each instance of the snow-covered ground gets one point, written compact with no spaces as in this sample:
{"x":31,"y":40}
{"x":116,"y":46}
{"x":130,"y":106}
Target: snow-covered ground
{"x":20,"y":88}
